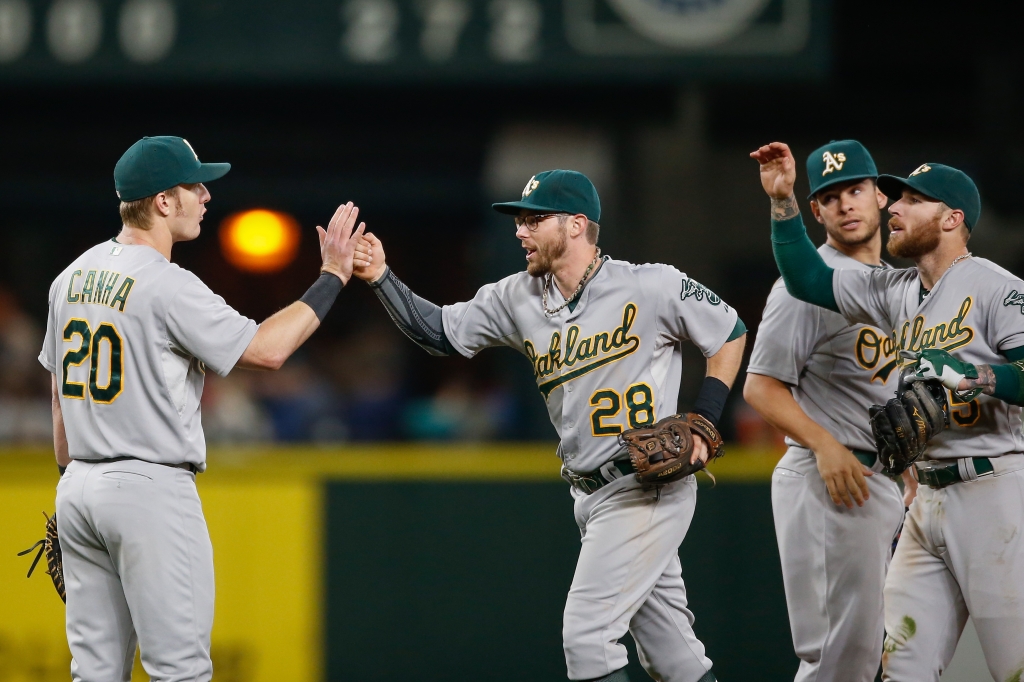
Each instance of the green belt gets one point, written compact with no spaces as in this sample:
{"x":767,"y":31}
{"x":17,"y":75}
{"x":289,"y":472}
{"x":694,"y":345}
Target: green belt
{"x":595,"y":480}
{"x":940,"y":477}
{"x":866,"y":458}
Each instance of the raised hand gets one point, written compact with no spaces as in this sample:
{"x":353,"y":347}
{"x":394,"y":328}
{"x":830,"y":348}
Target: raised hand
{"x":778,"y":169}
{"x":369,"y":258}
{"x":338,"y":242}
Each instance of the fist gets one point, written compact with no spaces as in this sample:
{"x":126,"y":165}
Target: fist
{"x":941,"y":366}
{"x":368,"y":263}
{"x":778,"y":169}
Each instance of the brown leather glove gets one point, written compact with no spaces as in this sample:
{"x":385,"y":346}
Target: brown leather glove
{"x":50,"y":546}
{"x":661,"y":453}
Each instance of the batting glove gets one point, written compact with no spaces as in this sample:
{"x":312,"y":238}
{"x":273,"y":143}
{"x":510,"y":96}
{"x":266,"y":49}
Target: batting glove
{"x":935,"y":364}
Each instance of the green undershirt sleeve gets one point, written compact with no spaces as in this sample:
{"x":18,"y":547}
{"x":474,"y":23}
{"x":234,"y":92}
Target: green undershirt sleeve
{"x":807,"y":276}
{"x":1010,"y":378}
{"x":739,"y":330}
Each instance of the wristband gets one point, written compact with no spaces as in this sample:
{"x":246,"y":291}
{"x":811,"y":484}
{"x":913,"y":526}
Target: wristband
{"x":711,"y":399}
{"x":320,"y":297}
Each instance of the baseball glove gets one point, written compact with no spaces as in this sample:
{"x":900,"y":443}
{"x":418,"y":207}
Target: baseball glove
{"x":50,"y":546}
{"x":904,"y":425}
{"x":661,"y":453}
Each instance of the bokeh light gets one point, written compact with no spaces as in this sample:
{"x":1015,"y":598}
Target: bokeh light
{"x":259,"y":240}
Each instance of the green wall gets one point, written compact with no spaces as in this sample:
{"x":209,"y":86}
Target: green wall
{"x":466,"y":581}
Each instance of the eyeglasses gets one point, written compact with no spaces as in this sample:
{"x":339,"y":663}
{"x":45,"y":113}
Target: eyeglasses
{"x":532,"y":221}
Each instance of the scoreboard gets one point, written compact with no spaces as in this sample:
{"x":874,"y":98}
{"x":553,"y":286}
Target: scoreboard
{"x":85,"y":41}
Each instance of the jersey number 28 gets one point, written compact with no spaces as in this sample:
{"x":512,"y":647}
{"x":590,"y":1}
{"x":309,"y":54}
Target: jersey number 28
{"x":639,"y":409}
{"x":92,"y":348}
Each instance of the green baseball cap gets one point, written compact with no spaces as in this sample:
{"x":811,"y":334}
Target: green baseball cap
{"x":839,"y":161}
{"x":557,"y":191}
{"x":155,"y":164}
{"x":944,"y":183}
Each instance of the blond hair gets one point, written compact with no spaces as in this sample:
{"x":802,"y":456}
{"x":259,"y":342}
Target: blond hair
{"x":137,"y":213}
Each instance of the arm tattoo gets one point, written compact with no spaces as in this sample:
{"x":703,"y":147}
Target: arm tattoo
{"x":418,"y":318}
{"x":784,"y":209}
{"x":986,"y":381}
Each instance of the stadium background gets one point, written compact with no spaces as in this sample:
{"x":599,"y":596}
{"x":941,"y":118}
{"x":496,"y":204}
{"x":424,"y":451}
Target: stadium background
{"x":378,"y":514}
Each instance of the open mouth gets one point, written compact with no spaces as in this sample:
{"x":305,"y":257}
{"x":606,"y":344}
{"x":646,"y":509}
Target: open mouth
{"x":529,"y":252}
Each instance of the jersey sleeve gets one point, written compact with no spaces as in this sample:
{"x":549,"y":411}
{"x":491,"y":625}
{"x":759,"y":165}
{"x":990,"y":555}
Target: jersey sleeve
{"x":1006,"y":324}
{"x":862,"y":296}
{"x":48,"y":354}
{"x":690,"y":311}
{"x":482,"y":322}
{"x":200,"y":322}
{"x":789,"y":332}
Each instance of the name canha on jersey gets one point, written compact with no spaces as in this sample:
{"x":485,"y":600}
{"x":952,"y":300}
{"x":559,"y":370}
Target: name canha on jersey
{"x":610,"y":364}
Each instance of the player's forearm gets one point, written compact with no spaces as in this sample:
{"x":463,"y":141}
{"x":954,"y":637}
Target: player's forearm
{"x":60,"y":436}
{"x":807,"y":276}
{"x":418,"y":318}
{"x":279,"y":336}
{"x":774,"y":401}
{"x":722,"y":369}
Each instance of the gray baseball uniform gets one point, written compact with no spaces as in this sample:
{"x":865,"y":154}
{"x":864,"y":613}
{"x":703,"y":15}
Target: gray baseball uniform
{"x":834,"y":559}
{"x":962,"y":550}
{"x":612,"y":363}
{"x":129,"y":337}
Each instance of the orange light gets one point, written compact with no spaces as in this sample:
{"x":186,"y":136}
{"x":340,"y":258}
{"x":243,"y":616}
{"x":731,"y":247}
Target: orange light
{"x":259,"y":240}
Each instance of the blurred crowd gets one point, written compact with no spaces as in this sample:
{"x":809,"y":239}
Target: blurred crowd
{"x":362,"y":387}
{"x":355,"y":389}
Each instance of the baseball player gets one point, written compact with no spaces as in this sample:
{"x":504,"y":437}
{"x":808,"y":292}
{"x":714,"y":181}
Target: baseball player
{"x":960,"y":319}
{"x":814,"y":375}
{"x":603,"y":338}
{"x":129,"y":337}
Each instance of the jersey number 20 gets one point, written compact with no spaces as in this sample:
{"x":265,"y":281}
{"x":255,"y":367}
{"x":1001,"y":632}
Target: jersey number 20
{"x":91,"y":348}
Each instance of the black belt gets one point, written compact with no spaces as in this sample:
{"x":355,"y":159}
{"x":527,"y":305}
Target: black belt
{"x":940,"y":477}
{"x":187,"y":466}
{"x":593,"y":481}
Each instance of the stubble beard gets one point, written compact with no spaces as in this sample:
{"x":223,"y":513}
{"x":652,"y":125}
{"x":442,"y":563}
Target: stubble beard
{"x":924,"y":240}
{"x":852,"y":240}
{"x":545,"y":256}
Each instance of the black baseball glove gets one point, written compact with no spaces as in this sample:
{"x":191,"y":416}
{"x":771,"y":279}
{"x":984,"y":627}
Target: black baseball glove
{"x":904,"y":425}
{"x":50,"y":546}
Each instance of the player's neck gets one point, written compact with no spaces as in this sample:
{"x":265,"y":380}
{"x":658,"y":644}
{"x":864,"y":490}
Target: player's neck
{"x":157,"y":237}
{"x":869,"y":252}
{"x":568,"y":273}
{"x":934,"y":264}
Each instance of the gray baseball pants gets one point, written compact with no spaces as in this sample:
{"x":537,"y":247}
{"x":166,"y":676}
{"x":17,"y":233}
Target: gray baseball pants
{"x":961,"y":553}
{"x":834,"y":562}
{"x":628,"y":576}
{"x":138,"y":568}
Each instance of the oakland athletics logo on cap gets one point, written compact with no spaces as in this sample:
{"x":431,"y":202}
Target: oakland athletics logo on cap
{"x":923,"y":168}
{"x":530,"y":186}
{"x":833,"y":162}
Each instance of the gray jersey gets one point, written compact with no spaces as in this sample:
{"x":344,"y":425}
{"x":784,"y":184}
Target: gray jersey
{"x":129,"y":337}
{"x":837,"y":370}
{"x":611,"y":364}
{"x":975,"y":311}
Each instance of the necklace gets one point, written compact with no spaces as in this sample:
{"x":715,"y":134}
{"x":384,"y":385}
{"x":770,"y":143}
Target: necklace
{"x":958,"y":259}
{"x":547,"y":284}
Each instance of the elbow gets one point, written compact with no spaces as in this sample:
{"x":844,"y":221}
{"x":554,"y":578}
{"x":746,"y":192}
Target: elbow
{"x":753,"y":391}
{"x":273,"y":361}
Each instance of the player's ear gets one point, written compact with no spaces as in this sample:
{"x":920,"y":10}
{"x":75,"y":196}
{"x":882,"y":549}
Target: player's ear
{"x":881,"y":198}
{"x":816,"y":210}
{"x":162,"y":203}
{"x":579,"y":226}
{"x":953,"y":220}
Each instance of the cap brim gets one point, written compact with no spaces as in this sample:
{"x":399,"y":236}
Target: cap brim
{"x":893,"y":187}
{"x":514,"y":207}
{"x":839,"y":180}
{"x":208,"y":172}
